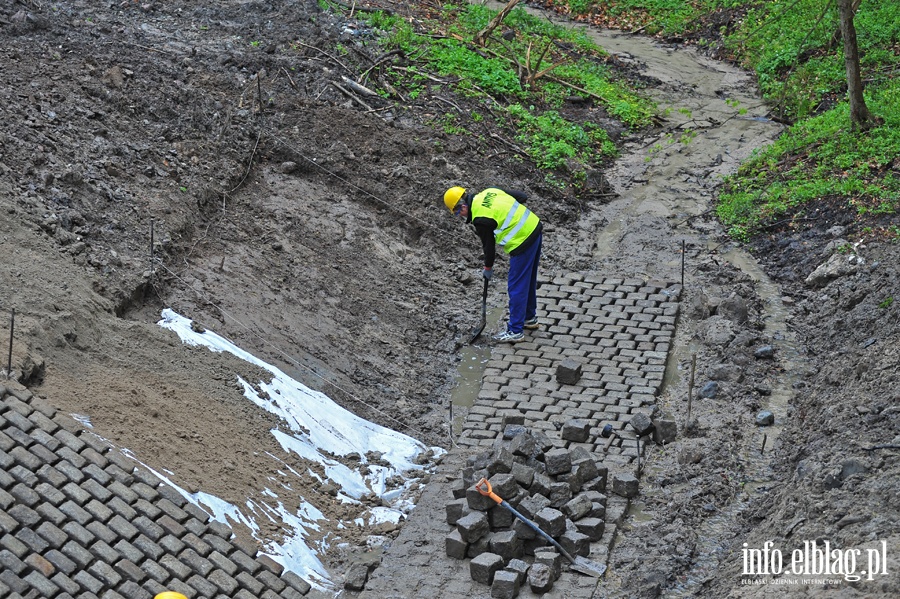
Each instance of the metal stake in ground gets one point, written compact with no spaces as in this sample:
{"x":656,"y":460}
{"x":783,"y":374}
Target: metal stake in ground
{"x":691,"y":388}
{"x":682,"y":263}
{"x":12,"y":326}
{"x":151,"y":247}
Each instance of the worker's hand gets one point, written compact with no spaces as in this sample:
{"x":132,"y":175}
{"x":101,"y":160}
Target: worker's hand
{"x":487,"y":273}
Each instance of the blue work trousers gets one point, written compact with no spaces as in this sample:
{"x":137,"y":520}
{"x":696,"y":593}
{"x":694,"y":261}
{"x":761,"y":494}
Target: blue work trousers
{"x":522,"y":285}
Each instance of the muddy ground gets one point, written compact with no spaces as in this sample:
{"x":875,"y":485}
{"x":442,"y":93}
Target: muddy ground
{"x":308,"y":228}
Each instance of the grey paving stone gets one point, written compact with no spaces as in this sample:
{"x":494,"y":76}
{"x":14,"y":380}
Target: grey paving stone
{"x":78,"y":554}
{"x":52,"y":534}
{"x":10,"y":561}
{"x":68,"y":586}
{"x":146,"y":492}
{"x":176,"y":568}
{"x":171,"y":544}
{"x":171,"y":526}
{"x":97,"y":490}
{"x":102,"y":550}
{"x":168,"y":507}
{"x":128,"y":551}
{"x":148,"y":547}
{"x":226,"y":583}
{"x":70,"y":470}
{"x":155,"y":571}
{"x":123,"y":528}
{"x":120,"y":507}
{"x":89,"y":582}
{"x":270,"y":581}
{"x":78,"y":533}
{"x":101,"y":531}
{"x":106,"y":573}
{"x":249,"y":583}
{"x":98,"y":510}
{"x":73,"y":457}
{"x":203,"y":587}
{"x":69,"y":440}
{"x":60,"y":561}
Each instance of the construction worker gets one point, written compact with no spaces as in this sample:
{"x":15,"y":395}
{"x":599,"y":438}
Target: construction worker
{"x":499,"y":216}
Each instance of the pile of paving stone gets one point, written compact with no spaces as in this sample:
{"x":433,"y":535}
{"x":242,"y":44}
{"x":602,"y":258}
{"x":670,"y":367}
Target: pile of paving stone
{"x":561,"y":490}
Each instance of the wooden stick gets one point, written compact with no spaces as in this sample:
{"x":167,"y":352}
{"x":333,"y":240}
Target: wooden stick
{"x":351,"y":95}
{"x":358,"y":87}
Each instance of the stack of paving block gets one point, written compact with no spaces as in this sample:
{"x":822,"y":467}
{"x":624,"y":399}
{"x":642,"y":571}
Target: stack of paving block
{"x":561,"y":490}
{"x":79,"y":518}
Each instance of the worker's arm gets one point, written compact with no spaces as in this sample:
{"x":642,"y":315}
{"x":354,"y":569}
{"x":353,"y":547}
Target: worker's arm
{"x":484,"y":228}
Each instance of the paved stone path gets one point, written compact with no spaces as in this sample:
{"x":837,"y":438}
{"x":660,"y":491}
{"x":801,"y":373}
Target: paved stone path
{"x":78,"y":518}
{"x":620,"y":332}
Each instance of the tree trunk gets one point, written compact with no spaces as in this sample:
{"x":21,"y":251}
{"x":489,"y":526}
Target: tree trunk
{"x":860,"y":117}
{"x":481,"y":38}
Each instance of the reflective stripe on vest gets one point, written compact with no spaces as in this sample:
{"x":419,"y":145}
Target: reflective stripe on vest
{"x":515,"y":222}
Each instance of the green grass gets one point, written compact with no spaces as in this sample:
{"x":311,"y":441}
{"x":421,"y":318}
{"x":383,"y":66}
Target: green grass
{"x":672,"y":17}
{"x":800,"y":66}
{"x":445,"y":47}
{"x":819,"y":158}
{"x":792,"y":47}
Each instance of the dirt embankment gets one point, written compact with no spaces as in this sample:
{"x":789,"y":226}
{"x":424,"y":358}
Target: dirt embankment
{"x":201,"y":157}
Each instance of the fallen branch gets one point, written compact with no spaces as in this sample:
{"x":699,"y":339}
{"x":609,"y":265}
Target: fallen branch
{"x":378,"y":61}
{"x":450,"y":103}
{"x":358,"y":87}
{"x":291,"y":81}
{"x":342,"y":65}
{"x":351,"y":95}
{"x":386,"y":11}
{"x":579,"y":89}
{"x":481,"y":37}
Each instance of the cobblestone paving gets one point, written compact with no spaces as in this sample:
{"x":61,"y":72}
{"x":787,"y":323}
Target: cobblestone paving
{"x":619,"y":331}
{"x":78,"y":518}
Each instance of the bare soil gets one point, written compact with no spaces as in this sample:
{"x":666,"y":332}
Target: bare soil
{"x":199,"y":156}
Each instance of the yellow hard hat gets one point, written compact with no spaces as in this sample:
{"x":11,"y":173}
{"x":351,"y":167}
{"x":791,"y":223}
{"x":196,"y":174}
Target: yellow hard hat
{"x":170,"y":595}
{"x":452,"y":196}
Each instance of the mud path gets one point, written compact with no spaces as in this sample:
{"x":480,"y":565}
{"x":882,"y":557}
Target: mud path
{"x":713,"y":120}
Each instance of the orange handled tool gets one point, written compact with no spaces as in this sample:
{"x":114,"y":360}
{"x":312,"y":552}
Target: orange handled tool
{"x":579,"y":564}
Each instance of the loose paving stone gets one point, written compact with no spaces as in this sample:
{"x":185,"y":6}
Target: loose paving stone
{"x":540,"y":578}
{"x":483,"y":567}
{"x":505,"y":585}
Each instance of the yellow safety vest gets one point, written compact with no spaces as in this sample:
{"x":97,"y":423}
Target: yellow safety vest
{"x":514,"y":221}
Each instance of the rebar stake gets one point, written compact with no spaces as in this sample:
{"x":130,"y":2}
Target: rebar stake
{"x":763,"y":448}
{"x":637,"y":441}
{"x":12,"y":327}
{"x":682,"y":263}
{"x":691,"y":388}
{"x":151,"y":247}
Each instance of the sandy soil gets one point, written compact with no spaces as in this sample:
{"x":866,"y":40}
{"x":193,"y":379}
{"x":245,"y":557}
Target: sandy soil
{"x":309,"y":230}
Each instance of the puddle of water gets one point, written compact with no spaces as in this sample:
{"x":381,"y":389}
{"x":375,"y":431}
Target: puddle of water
{"x":636,"y":514}
{"x":473,"y":361}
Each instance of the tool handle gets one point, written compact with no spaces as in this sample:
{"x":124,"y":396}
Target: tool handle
{"x":484,"y":300}
{"x":484,"y":487}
